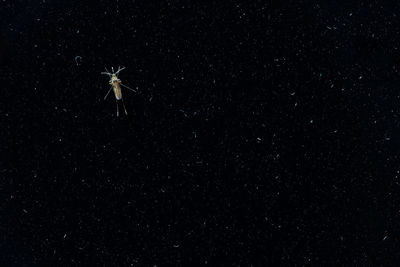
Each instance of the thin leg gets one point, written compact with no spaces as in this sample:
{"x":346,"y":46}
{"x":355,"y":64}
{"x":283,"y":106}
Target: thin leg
{"x":116,"y":101}
{"x":108,"y":92}
{"x":123,"y":104}
{"x":128,"y":88}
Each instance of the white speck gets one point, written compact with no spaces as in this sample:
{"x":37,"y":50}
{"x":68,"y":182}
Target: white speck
{"x":176,"y":246}
{"x":77,"y":31}
{"x":258,"y":139}
{"x":387,"y":138}
{"x":65,"y":235}
{"x":293,"y":93}
{"x":311,"y":121}
{"x":184,"y":114}
{"x":360,"y":77}
{"x":384,"y":238}
{"x":351,"y":14}
{"x":25,"y":211}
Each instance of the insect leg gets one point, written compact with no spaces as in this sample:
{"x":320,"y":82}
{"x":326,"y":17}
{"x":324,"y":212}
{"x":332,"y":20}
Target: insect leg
{"x":119,"y":69}
{"x":108,"y":92}
{"x":128,"y":88}
{"x":123,"y":104}
{"x":109,"y":74}
{"x":116,"y":101}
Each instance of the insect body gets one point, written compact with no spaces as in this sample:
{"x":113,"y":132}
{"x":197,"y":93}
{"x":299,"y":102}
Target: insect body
{"x":116,"y":87}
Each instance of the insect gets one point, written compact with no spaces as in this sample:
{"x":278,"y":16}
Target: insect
{"x":116,"y":87}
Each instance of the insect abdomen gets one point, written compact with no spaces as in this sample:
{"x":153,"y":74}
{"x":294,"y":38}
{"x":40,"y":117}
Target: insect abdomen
{"x":117,"y":92}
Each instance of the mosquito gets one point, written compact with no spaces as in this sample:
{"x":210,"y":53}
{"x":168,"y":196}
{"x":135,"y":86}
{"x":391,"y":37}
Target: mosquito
{"x":116,"y":87}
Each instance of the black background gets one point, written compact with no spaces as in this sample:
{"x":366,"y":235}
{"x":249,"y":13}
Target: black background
{"x":262,"y":133}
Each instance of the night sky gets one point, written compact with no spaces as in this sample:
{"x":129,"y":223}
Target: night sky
{"x":262,"y":133}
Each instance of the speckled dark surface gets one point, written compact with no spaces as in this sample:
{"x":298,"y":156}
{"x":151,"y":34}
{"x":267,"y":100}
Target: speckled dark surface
{"x":263,"y":133}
